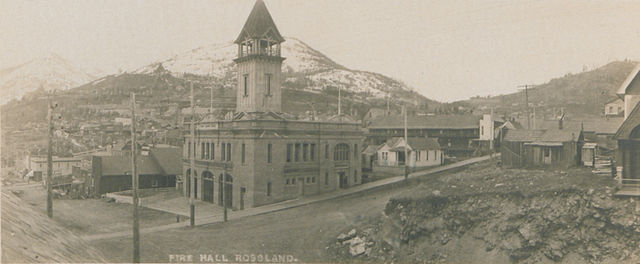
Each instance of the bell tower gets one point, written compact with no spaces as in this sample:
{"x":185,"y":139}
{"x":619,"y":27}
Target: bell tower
{"x":259,"y":63}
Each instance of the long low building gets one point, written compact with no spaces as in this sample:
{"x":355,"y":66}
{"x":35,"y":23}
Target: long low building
{"x":455,"y":133}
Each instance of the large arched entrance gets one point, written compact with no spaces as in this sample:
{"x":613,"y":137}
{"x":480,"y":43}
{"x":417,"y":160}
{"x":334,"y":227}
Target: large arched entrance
{"x":207,"y":186}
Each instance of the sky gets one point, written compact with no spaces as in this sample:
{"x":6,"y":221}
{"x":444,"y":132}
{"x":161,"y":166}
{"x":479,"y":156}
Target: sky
{"x":446,"y":50}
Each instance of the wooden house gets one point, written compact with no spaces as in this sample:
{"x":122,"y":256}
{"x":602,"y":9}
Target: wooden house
{"x":422,"y":152}
{"x":559,"y":148}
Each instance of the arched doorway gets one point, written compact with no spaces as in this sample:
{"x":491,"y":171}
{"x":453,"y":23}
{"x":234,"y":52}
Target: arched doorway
{"x":228,"y":190}
{"x":207,"y":186}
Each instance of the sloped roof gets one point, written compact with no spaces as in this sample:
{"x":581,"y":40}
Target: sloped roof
{"x":617,"y":100}
{"x":169,"y":159}
{"x":415,"y":143}
{"x":423,"y":143}
{"x":121,"y":165}
{"x":524,"y":135}
{"x":560,"y":135}
{"x":259,"y":23}
{"x":543,"y":136}
{"x":597,"y":125}
{"x":627,"y":82}
{"x":370,"y":150}
{"x":632,"y":121}
{"x":432,"y":122}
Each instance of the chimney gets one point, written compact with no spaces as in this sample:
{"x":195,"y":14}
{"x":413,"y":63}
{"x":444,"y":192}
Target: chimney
{"x":560,"y":123}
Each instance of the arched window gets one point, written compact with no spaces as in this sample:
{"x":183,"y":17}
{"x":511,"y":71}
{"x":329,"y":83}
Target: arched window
{"x":341,"y":152}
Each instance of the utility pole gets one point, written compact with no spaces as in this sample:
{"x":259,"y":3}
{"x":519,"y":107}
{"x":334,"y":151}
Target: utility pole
{"x":192,"y":165}
{"x":211,"y":107}
{"x":50,"y":159}
{"x":388,"y":109}
{"x":224,"y":187}
{"x":406,"y":142}
{"x":134,"y":183}
{"x":339,"y":102}
{"x":526,"y":99}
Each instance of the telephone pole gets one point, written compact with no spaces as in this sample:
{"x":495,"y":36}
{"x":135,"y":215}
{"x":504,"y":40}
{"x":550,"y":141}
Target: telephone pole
{"x":49,"y":159}
{"x":526,"y":99}
{"x":406,"y":142}
{"x":192,"y":163}
{"x":134,"y":183}
{"x":224,"y":195}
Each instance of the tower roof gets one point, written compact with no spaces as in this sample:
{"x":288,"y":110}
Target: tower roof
{"x":259,"y":24}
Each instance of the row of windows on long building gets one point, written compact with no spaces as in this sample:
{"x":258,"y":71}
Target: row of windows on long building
{"x":296,"y":152}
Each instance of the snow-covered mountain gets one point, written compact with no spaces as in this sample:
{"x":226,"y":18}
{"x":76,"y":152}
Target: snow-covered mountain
{"x":304,"y":68}
{"x":51,"y":72}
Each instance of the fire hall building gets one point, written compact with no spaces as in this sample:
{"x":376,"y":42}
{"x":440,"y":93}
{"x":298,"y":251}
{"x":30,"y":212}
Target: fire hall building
{"x":261,"y":155}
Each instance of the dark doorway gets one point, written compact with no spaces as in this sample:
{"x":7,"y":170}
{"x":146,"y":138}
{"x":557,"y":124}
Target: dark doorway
{"x":207,"y":186}
{"x":343,"y":180}
{"x":401,"y":158}
{"x":228,"y":191}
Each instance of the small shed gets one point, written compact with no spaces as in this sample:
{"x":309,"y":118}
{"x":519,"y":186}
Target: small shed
{"x":589,"y":153}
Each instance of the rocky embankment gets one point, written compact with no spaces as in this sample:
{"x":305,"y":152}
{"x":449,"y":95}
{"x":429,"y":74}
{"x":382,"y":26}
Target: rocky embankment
{"x":566,"y":219}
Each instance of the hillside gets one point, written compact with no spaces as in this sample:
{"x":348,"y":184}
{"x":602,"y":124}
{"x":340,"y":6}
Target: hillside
{"x":489,"y":214}
{"x":579,"y":94}
{"x":304,"y":69}
{"x":30,"y":237}
{"x":51,"y":73}
{"x":311,"y":82}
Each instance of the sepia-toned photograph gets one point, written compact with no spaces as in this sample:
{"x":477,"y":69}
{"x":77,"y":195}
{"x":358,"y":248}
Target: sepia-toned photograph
{"x":320,"y":131}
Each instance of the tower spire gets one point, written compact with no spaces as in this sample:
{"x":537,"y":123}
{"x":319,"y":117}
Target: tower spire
{"x":259,"y":63}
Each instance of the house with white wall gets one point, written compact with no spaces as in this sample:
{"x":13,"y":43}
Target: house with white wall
{"x":422,"y":152}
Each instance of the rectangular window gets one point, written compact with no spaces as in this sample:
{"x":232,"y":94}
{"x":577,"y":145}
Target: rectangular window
{"x":222,"y":152}
{"x":208,"y":155}
{"x":267,"y":80}
{"x":308,"y":180}
{"x":355,"y":151}
{"x":268,"y":189}
{"x":188,"y":149}
{"x":229,"y":151}
{"x":289,"y":150}
{"x":213,"y":151}
{"x":269,"y":153}
{"x":312,"y":152}
{"x":297,"y":152}
{"x":326,"y":151}
{"x":287,"y":182}
{"x":246,"y":84}
{"x":243,"y":152}
{"x":313,"y":179}
{"x":305,"y":149}
{"x":326,"y":178}
{"x":355,"y":176}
